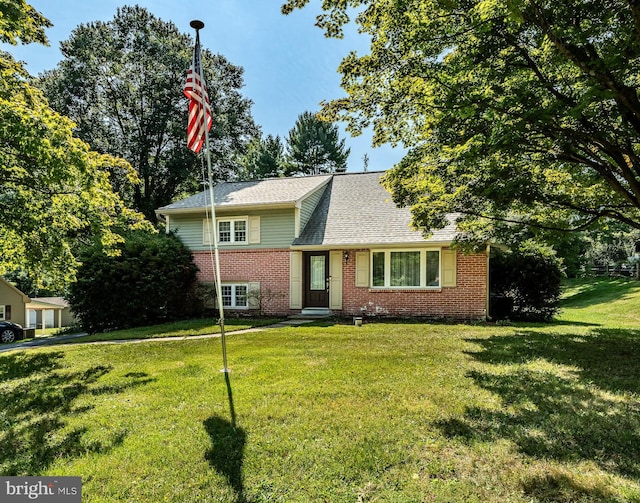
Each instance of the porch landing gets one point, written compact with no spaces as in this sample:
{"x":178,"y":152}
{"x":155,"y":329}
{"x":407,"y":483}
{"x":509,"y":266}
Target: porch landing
{"x":312,"y":313}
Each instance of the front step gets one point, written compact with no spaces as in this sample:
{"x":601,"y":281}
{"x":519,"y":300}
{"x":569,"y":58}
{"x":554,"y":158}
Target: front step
{"x":315,"y":312}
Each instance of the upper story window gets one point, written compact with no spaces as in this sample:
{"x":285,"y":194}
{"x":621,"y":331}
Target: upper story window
{"x":230,"y":231}
{"x":405,"y":268}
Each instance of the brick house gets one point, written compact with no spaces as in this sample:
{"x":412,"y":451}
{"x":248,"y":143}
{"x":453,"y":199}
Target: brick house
{"x":334,"y":243}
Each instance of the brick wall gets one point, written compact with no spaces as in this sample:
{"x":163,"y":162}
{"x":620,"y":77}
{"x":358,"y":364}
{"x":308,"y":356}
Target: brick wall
{"x":468,"y":300}
{"x":270,"y":267}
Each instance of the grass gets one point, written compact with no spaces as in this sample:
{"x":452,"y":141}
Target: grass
{"x":602,"y":301}
{"x":188,"y":328}
{"x":386,"y":412}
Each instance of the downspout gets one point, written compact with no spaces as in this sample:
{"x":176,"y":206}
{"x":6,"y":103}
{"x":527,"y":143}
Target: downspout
{"x":488,"y":316}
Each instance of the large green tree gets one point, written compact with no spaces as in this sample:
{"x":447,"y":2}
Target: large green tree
{"x":264,"y":159}
{"x":55,"y":192}
{"x":314,"y":146}
{"x":513,"y":110}
{"x":121,"y":81}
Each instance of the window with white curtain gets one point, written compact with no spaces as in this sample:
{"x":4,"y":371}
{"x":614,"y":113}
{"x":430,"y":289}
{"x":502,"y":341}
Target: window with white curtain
{"x":405,"y":268}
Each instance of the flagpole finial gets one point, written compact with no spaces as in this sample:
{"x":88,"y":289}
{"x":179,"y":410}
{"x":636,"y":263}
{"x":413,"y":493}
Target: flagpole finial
{"x":196,"y":24}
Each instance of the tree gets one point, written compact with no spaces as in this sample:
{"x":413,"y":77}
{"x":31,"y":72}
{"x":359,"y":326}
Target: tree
{"x":55,"y":192}
{"x":513,"y":110}
{"x":121,"y":81}
{"x":21,"y":22}
{"x":264,"y":159}
{"x":616,"y":245}
{"x":313,"y":147}
{"x":151,"y":278}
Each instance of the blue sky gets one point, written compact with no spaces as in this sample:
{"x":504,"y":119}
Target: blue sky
{"x":289,"y":65}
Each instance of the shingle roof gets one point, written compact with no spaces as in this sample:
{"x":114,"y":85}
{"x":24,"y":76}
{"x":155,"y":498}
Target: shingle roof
{"x":357,"y":210}
{"x":271,"y":191}
{"x":48,"y":303}
{"x":354,"y":210}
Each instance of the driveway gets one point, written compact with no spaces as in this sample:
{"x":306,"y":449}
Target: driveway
{"x":39,"y":341}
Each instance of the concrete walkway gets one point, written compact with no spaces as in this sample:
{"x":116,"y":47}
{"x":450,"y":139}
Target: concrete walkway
{"x":61,"y":339}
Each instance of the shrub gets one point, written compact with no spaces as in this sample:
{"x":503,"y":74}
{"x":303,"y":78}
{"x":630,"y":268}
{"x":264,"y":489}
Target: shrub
{"x":150,"y":278}
{"x":525,"y":283}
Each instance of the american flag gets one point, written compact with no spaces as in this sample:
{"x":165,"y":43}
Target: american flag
{"x":196,"y":91}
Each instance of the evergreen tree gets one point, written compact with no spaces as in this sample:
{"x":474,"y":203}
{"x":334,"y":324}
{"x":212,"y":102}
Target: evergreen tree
{"x":264,"y":159}
{"x":151,"y":278}
{"x":313,"y":147}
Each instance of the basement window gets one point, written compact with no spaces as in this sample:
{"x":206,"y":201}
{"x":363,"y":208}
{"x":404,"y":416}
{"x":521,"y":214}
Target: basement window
{"x":235,"y":296}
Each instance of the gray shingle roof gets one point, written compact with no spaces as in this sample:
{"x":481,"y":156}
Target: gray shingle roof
{"x":354,"y":210}
{"x":357,"y":210}
{"x":273,"y":191}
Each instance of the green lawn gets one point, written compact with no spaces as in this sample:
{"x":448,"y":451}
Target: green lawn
{"x":386,"y":412}
{"x":187,"y":328}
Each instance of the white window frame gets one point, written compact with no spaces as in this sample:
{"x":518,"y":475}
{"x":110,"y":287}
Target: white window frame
{"x":234,"y":295}
{"x":423,"y":268}
{"x":2,"y":312}
{"x":206,"y":231}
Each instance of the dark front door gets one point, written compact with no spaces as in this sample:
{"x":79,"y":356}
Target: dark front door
{"x":316,"y":279}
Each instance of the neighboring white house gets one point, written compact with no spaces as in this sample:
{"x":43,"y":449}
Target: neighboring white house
{"x":41,"y":312}
{"x":49,"y":312}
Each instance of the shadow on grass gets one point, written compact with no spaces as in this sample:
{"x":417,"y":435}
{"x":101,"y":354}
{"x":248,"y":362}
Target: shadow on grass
{"x":560,"y":488}
{"x":37,"y":397}
{"x":608,"y":358}
{"x":577,"y":409}
{"x":226,"y":454}
{"x":553,"y":323}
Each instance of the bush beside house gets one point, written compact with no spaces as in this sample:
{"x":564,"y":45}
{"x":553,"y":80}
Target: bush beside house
{"x":525,"y":283}
{"x":151,"y":278}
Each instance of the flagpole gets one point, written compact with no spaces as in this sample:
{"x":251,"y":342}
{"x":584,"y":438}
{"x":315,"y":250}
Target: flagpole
{"x":198,"y":25}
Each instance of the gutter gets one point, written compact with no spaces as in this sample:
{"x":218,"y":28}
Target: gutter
{"x":357,"y":246}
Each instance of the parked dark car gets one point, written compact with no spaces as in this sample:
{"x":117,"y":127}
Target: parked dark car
{"x":10,"y":332}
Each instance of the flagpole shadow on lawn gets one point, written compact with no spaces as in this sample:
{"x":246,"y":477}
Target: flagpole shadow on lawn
{"x":226,"y":454}
{"x":232,"y":409}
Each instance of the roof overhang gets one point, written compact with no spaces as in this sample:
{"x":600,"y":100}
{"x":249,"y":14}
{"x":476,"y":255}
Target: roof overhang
{"x":44,"y":305}
{"x":229,"y":208}
{"x":359,"y":246}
